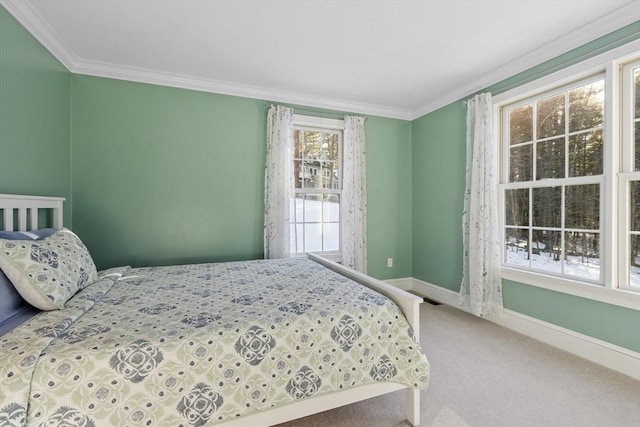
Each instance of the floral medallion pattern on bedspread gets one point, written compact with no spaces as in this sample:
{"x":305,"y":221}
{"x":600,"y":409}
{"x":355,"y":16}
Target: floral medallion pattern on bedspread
{"x":201,"y":344}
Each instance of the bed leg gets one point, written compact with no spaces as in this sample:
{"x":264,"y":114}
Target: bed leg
{"x":413,"y":406}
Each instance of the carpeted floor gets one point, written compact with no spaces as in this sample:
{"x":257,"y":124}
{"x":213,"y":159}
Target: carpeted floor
{"x":483,"y":375}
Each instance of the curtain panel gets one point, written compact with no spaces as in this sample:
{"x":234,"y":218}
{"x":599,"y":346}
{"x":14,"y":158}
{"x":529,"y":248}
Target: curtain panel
{"x":480,"y":289}
{"x":353,"y":205}
{"x":278,"y":181}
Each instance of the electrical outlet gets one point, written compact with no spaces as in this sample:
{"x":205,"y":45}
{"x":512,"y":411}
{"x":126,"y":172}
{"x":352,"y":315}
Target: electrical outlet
{"x":389,"y":262}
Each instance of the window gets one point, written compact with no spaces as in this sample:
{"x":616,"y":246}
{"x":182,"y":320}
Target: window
{"x":553,"y":143}
{"x":317,"y":167}
{"x":570,"y":178}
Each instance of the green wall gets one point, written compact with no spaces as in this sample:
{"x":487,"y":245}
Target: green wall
{"x":605,"y":321}
{"x":164,"y":175}
{"x":439,"y":157}
{"x":35,"y":128}
{"x":388,"y":197}
{"x":438,"y":180}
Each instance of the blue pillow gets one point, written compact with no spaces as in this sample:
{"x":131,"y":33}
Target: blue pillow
{"x":14,"y":310}
{"x":27,"y":235}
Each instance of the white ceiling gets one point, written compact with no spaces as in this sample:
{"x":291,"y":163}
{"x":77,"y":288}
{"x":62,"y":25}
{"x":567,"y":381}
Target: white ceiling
{"x":397,"y":59}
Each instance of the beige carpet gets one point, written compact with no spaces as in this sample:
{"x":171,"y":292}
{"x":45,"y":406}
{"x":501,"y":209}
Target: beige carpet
{"x":486,"y":375}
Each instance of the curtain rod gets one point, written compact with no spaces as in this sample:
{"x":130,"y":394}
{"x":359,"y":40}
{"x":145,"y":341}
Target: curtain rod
{"x":335,"y":116}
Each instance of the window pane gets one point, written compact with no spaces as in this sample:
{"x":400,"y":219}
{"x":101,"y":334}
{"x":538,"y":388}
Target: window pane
{"x":634,"y":264}
{"x":312,"y":144}
{"x":331,"y":207}
{"x":310,"y":175}
{"x":326,"y":175}
{"x":517,"y":207}
{"x":551,"y":116}
{"x":547,"y":205}
{"x":634,"y":203}
{"x":582,"y":255}
{"x":585,"y":154}
{"x":636,"y":97}
{"x":517,"y":246}
{"x":331,"y":236}
{"x":298,"y":155}
{"x":636,"y":79}
{"x":292,"y":237}
{"x":582,"y":206}
{"x":298,"y":144}
{"x":586,"y":106}
{"x":550,"y":159}
{"x":296,"y":238}
{"x":298,"y":173}
{"x":312,"y":237}
{"x":330,"y":175}
{"x":546,"y":247}
{"x":636,"y":133}
{"x":521,"y":125}
{"x":299,"y":209}
{"x":520,"y":163}
{"x":634,"y":239}
{"x":331,"y":146}
{"x":313,"y":208}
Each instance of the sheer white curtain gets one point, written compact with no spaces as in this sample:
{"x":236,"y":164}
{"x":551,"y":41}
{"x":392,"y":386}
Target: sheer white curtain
{"x":278,"y":181}
{"x":354,"y":195}
{"x":480,"y":289}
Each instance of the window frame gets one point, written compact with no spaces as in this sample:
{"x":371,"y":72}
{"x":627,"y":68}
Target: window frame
{"x":628,"y":173}
{"x":321,"y":124}
{"x":609,"y":64}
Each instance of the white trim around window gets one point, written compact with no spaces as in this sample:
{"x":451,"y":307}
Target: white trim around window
{"x":611,"y":288}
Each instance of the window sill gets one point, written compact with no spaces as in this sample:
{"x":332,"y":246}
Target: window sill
{"x":331,"y":256}
{"x":619,"y":297}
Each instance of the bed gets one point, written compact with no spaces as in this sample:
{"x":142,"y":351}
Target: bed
{"x":246,"y":343}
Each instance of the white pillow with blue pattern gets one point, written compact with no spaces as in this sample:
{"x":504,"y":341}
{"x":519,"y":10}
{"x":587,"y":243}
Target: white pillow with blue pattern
{"x":49,"y":271}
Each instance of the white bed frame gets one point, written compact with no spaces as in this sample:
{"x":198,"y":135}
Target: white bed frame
{"x":26,"y":208}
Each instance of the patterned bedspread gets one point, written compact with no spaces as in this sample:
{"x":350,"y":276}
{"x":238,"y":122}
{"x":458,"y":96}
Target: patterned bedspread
{"x":200,"y":344}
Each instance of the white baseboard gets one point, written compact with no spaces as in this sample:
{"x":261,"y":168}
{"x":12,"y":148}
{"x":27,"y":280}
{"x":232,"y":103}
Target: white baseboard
{"x":405,"y":283}
{"x":609,"y":355}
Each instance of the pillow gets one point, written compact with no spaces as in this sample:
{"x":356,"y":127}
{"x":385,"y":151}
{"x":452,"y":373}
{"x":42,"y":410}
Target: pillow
{"x":48,"y":272}
{"x":13,"y":309}
{"x":27,"y":235}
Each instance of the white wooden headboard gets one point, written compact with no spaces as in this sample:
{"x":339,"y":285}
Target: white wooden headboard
{"x":26,"y":209}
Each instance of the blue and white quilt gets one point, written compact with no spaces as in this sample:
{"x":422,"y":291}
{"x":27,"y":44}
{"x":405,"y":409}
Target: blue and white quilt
{"x":197,"y":345}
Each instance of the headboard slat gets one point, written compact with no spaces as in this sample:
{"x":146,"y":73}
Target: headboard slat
{"x":22,"y":219}
{"x":33,"y":221}
{"x":8,"y":219}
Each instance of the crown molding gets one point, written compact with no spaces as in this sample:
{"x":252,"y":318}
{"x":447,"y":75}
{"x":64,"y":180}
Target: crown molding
{"x":140,"y":75}
{"x":29,"y":17}
{"x":609,"y":23}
